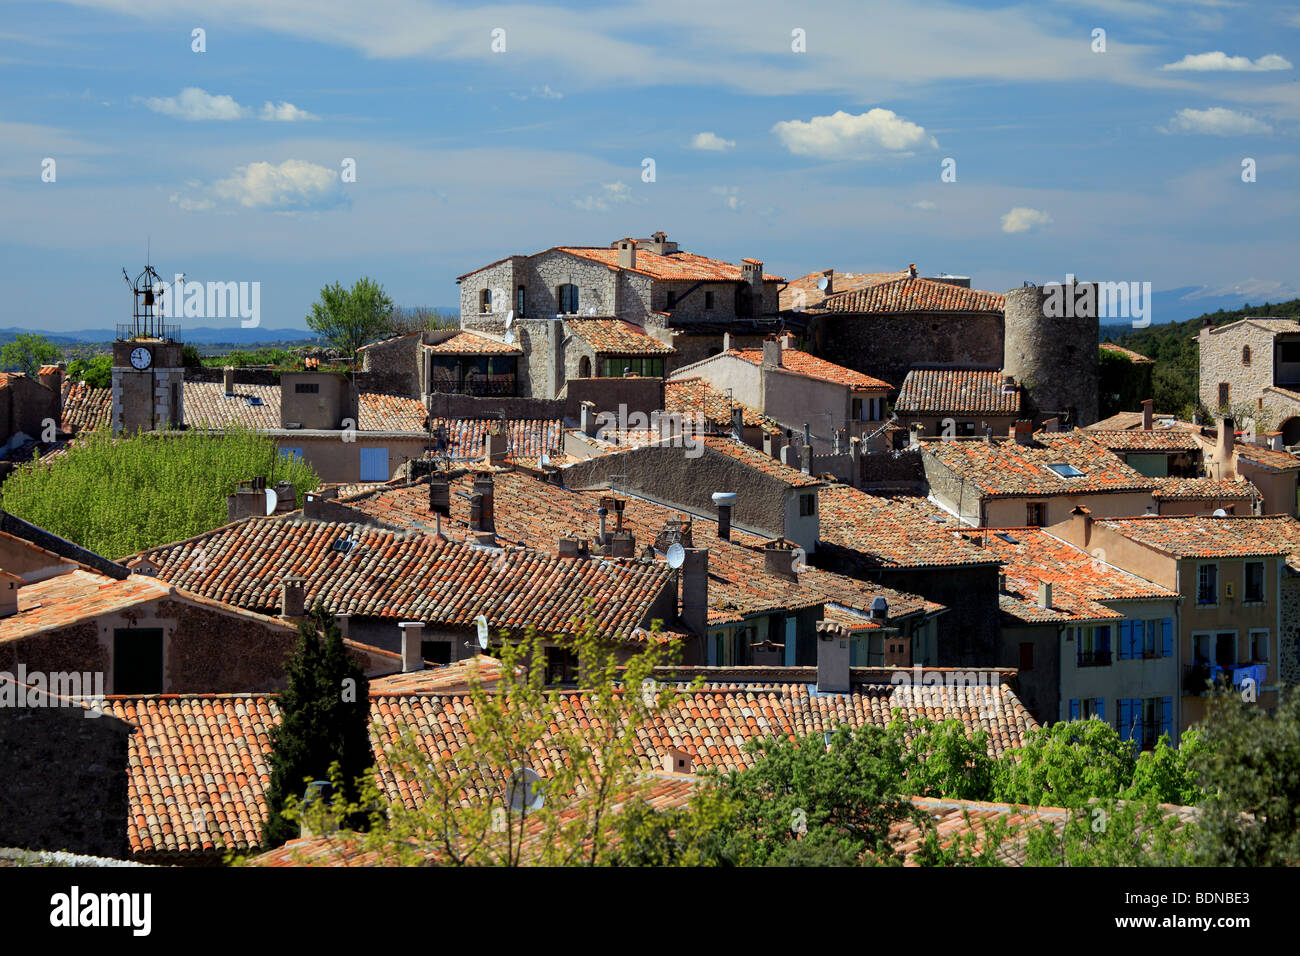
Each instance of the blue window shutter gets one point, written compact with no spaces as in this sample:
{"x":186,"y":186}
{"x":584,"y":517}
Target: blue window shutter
{"x":1167,"y":715}
{"x":1125,"y":639}
{"x":374,"y":464}
{"x":1167,"y":632}
{"x":1074,"y":710}
{"x":1103,"y":633}
{"x":1101,"y":707}
{"x":791,"y":639}
{"x":1125,"y":718}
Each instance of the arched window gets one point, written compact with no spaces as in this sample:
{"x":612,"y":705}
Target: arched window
{"x":485,"y":300}
{"x":566,"y":296}
{"x":584,"y":367}
{"x":1245,"y":355}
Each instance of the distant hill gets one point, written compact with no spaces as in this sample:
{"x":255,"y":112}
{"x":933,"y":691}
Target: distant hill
{"x":1173,"y":347}
{"x":199,"y":335}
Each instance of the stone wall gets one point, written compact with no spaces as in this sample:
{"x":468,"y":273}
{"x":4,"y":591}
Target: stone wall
{"x":1221,"y":362}
{"x":64,"y":780}
{"x":393,"y":365}
{"x":643,"y":395}
{"x":890,"y":469}
{"x":1289,"y":639}
{"x":445,"y":405}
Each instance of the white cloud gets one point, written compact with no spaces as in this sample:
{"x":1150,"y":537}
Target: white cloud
{"x":844,"y":135}
{"x":1218,"y":60}
{"x":925,"y":204}
{"x":1215,"y":121}
{"x":711,"y":141}
{"x":1023,"y":219}
{"x":283,"y":112}
{"x":539,"y":92}
{"x":611,"y":194}
{"x":195,"y":104}
{"x":292,"y":186}
{"x":730,"y":196}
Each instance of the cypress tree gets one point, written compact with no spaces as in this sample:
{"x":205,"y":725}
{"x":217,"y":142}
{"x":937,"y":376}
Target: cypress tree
{"x":324,"y":717}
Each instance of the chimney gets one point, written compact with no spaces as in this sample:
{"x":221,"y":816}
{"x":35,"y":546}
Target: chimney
{"x":727,"y":343}
{"x":311,"y":505}
{"x":1023,"y":432}
{"x":1002,"y":582}
{"x":622,"y":544}
{"x":773,"y":442}
{"x":724,"y":501}
{"x":602,"y":512}
{"x":483,"y":491}
{"x":879,"y":608}
{"x":911,"y":270}
{"x":1226,"y":443}
{"x":51,"y":376}
{"x":916,"y":431}
{"x":1148,"y":411}
{"x":412,"y":651}
{"x":228,"y":377}
{"x":778,"y":558}
{"x":248,"y":500}
{"x":144,"y":566}
{"x":1081,"y":526}
{"x":587,"y":418}
{"x":9,"y":585}
{"x":751,"y":270}
{"x":855,"y":459}
{"x":1052,"y":425}
{"x":805,"y":459}
{"x":1008,"y":385}
{"x":1275,"y":442}
{"x":659,"y":243}
{"x":439,"y":495}
{"x":695,"y":591}
{"x":1045,"y":594}
{"x":293,"y":596}
{"x":829,"y":277}
{"x":494,"y":445}
{"x":677,"y":760}
{"x":286,"y":497}
{"x":834,"y":652}
{"x":569,"y":547}
{"x":627,"y":253}
{"x":772,"y":351}
{"x":738,"y":421}
{"x":787,"y":340}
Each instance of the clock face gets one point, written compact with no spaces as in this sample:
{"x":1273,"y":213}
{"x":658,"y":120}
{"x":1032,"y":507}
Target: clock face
{"x":141,"y":357}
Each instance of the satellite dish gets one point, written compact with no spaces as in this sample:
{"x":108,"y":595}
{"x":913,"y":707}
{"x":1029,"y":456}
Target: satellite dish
{"x":823,"y":282}
{"x":510,"y":336}
{"x":524,"y":790}
{"x":510,"y":318}
{"x":1220,"y":513}
{"x":482,"y":623}
{"x":676,"y":555}
{"x":272,"y":499}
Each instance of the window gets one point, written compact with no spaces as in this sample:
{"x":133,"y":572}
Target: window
{"x":1146,"y":639}
{"x":436,"y":652}
{"x":374,"y":464}
{"x":1259,"y":646}
{"x":561,"y":666}
{"x":521,"y":300}
{"x":1034,"y":514}
{"x":708,"y":301}
{"x":1245,"y":355}
{"x":138,"y":661}
{"x":567,"y":298}
{"x":1207,"y":584}
{"x":485,"y":300}
{"x":1094,"y":646}
{"x":1224,"y":394}
{"x":306,"y":388}
{"x":670,"y":299}
{"x":1143,"y":720}
{"x":1065,"y":470}
{"x":1254,"y":582}
{"x":584,"y":367}
{"x":1290,"y":351}
{"x":1026,"y":656}
{"x":1219,"y":649}
{"x":293,"y":454}
{"x":807,"y":506}
{"x":1087,"y":708}
{"x":647,"y":367}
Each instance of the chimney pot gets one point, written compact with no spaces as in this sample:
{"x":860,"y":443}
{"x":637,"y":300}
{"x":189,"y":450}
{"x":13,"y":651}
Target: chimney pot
{"x":727,"y":344}
{"x":483,"y":491}
{"x":834,"y":653}
{"x":1023,"y":432}
{"x":772,"y":351}
{"x":568,"y":547}
{"x":1045,"y":594}
{"x":1148,"y":412}
{"x":228,"y":377}
{"x":412,"y":651}
{"x":724,"y":501}
{"x":805,"y":459}
{"x":439,"y":496}
{"x":677,"y":760}
{"x":778,"y":558}
{"x":695,"y":591}
{"x":293,"y":596}
{"x":10,"y":584}
{"x":627,"y":253}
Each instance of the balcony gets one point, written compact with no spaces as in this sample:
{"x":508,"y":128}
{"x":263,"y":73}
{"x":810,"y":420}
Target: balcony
{"x":148,"y":329}
{"x":1094,"y":658}
{"x":497,"y":386}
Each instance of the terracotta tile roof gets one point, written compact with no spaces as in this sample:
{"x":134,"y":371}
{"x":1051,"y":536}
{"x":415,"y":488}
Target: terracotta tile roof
{"x":199,"y":770}
{"x":810,"y":366}
{"x":754,"y":458}
{"x":1159,"y":440}
{"x":1004,"y":468}
{"x":1204,"y":536}
{"x":1080,"y":581}
{"x":208,"y":406}
{"x":467,"y":343}
{"x":616,"y":337}
{"x":687,"y":396}
{"x":896,"y":533}
{"x":1203,"y":489}
{"x":74,"y":596}
{"x":409,"y":576}
{"x":840,"y":282}
{"x":536,"y":514}
{"x":85,"y":408}
{"x":1267,"y":458}
{"x":959,"y":391}
{"x":681,"y":266}
{"x":41,"y":451}
{"x":447,"y":679}
{"x":1137,"y":358}
{"x":913,"y":295}
{"x":527,"y":438}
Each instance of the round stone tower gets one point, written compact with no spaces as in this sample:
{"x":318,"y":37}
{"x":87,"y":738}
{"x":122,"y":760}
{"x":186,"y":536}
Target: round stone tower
{"x":1050,"y":336}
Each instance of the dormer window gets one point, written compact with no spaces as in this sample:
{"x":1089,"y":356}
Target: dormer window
{"x":1065,"y":471}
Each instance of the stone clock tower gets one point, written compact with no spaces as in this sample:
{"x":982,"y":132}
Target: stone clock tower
{"x":148,"y":370}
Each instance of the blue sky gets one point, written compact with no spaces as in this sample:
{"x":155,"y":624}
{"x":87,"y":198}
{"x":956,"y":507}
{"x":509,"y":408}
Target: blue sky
{"x":1117,"y":165}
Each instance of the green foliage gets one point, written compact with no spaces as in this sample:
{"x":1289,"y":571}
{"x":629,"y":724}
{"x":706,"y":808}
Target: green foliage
{"x":27,"y":352}
{"x":418,"y":319}
{"x":1248,"y":762}
{"x":1110,"y":832}
{"x":1066,"y":764}
{"x":190,"y":357}
{"x":1166,"y":773}
{"x":95,"y":370}
{"x":323,"y":732}
{"x":943,"y":760}
{"x":1122,"y":385}
{"x":971,"y":847}
{"x":241,"y":358}
{"x":117,"y":496}
{"x":349,"y":318}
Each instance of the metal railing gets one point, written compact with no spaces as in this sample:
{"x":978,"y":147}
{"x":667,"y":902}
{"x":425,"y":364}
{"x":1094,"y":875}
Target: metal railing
{"x":148,"y":330}
{"x":1094,"y":658}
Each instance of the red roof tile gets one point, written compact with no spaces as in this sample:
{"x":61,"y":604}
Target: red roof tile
{"x":1159,"y":440}
{"x":840,"y":282}
{"x":468,"y":343}
{"x":1205,"y":536}
{"x":913,"y":295}
{"x":683,"y":266}
{"x":810,"y":366}
{"x":1203,"y":489}
{"x":1137,"y":358}
{"x":689,"y":396}
{"x":85,"y":408}
{"x":898,"y":533}
{"x":616,"y":337}
{"x":957,"y":391}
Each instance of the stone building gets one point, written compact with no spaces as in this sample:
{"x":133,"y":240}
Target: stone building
{"x":1252,"y":368}
{"x":29,"y":407}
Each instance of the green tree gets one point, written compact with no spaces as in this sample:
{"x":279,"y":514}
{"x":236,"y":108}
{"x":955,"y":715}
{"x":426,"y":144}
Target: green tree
{"x":1166,"y":773}
{"x":1249,"y":766}
{"x":117,"y":496}
{"x":96,"y":371}
{"x":323,"y":733}
{"x":27,"y":352}
{"x":944,"y":760}
{"x":1110,"y":832}
{"x":1065,"y":765}
{"x":349,"y":318}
